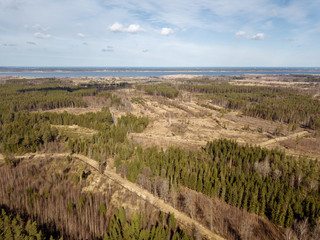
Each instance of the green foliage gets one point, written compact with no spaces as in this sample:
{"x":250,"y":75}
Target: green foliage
{"x":162,"y":89}
{"x":138,"y":100}
{"x":119,"y":228}
{"x":100,"y":121}
{"x":25,"y":132}
{"x":246,"y":127}
{"x":133,"y":123}
{"x":10,"y":161}
{"x":71,"y":206}
{"x":111,"y":139}
{"x":103,"y":209}
{"x":172,"y":222}
{"x":12,"y":227}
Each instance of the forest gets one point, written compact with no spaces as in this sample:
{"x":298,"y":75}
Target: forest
{"x":45,"y":198}
{"x":258,"y":180}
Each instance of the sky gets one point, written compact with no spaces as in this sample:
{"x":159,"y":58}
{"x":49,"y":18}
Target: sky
{"x":167,"y":33}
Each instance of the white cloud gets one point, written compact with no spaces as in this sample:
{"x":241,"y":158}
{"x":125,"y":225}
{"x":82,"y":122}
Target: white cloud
{"x":41,"y":35}
{"x":81,"y":35}
{"x":258,"y":36}
{"x":116,"y":27}
{"x":241,"y":34}
{"x":167,"y":31}
{"x":132,"y":28}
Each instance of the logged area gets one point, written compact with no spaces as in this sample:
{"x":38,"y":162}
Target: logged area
{"x":161,"y":158}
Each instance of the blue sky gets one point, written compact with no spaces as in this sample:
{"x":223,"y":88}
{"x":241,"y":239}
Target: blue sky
{"x":265,"y":33}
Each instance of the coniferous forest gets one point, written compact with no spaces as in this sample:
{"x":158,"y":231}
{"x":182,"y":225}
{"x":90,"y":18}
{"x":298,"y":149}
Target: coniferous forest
{"x":48,"y":197}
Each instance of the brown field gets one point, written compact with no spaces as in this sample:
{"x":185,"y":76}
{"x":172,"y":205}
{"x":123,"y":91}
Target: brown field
{"x":184,"y":122}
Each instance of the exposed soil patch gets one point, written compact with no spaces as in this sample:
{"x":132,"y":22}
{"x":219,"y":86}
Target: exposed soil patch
{"x":309,"y":146}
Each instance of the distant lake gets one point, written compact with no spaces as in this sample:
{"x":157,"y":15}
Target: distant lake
{"x":145,"y":72}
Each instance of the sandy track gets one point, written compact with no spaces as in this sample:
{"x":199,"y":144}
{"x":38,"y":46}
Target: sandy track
{"x":279,"y":139}
{"x":38,"y":155}
{"x":182,"y":218}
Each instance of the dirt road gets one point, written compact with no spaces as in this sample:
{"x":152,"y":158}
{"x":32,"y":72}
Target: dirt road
{"x":271,"y":141}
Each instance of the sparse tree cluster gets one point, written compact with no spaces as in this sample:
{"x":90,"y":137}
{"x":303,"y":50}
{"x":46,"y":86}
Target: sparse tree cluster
{"x":277,"y":104}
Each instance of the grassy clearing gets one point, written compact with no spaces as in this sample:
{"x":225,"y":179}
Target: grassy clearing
{"x":75,"y":131}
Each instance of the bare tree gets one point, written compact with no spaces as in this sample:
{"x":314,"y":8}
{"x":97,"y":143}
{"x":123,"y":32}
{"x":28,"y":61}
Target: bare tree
{"x":196,"y":232}
{"x":246,"y":230}
{"x":173,"y":197}
{"x":301,"y":229}
{"x":124,"y":171}
{"x":290,"y":235}
{"x":147,"y":172}
{"x":163,"y":188}
{"x":263,"y":168}
{"x":190,"y":203}
{"x":141,"y":180}
{"x":276,"y":174}
{"x":299,"y":180}
{"x":102,"y":166}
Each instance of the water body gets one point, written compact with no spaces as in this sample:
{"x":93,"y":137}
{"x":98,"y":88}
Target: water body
{"x":145,"y":71}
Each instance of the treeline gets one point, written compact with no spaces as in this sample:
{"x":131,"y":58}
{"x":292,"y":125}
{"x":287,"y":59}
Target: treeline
{"x":305,"y":78}
{"x":162,"y":89}
{"x":21,"y":96}
{"x":277,"y":104}
{"x":44,"y":94}
{"x":52,"y":195}
{"x":261,"y":181}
